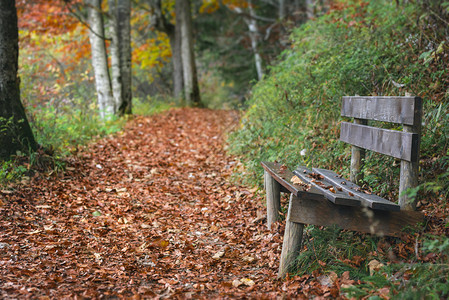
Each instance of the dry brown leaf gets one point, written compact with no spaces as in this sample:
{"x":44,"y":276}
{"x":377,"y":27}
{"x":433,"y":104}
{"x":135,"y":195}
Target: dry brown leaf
{"x":218,"y":255}
{"x":247,"y":281}
{"x":296,"y":180}
{"x":374,"y":266}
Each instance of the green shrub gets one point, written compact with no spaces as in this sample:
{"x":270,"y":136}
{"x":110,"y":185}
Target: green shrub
{"x":151,"y":106}
{"x":358,"y":48}
{"x":417,"y":280}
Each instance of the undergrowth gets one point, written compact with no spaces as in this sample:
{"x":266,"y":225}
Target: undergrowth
{"x":403,"y":273}
{"x":368,"y":48}
{"x":60,"y":130}
{"x":359,"y":48}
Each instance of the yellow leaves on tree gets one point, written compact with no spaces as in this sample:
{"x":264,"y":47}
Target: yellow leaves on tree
{"x":153,"y":53}
{"x":210,"y":6}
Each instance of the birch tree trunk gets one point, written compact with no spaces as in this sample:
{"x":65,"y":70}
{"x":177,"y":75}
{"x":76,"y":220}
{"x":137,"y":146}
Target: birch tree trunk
{"x":281,"y":9}
{"x":115,"y":55}
{"x":254,"y":36}
{"x":310,"y":7}
{"x":184,"y":21}
{"x":124,"y":34}
{"x":15,"y":131}
{"x":99,"y":59}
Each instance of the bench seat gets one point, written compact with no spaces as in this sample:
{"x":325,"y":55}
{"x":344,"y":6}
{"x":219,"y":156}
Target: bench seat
{"x":317,"y":205}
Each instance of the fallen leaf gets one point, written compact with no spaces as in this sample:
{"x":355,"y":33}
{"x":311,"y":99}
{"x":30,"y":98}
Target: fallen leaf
{"x":374,"y":266}
{"x":236,"y":283}
{"x":247,"y":281}
{"x":218,"y":255}
{"x":295,"y":179}
{"x":248,"y":259}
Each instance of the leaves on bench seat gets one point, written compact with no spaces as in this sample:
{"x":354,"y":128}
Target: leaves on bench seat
{"x":328,"y":189}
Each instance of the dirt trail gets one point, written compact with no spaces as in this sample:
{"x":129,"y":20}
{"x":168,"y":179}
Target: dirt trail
{"x":148,"y":213}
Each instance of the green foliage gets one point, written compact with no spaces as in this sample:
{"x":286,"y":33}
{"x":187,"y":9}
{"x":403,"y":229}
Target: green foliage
{"x":59,"y":130}
{"x":10,"y":171}
{"x":338,"y":253}
{"x":63,"y":129}
{"x":358,"y":48}
{"x":418,"y":280}
{"x":151,"y":106}
{"x":216,"y":93}
{"x":348,"y":251}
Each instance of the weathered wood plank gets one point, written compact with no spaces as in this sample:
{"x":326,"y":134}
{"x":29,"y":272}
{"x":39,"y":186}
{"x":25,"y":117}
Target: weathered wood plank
{"x":410,"y":170}
{"x":291,"y":245}
{"x":357,"y":156}
{"x":324,"y":186}
{"x":370,"y":200}
{"x":284,"y":176}
{"x":402,"y":145}
{"x":273,"y":198}
{"x":400,"y":110}
{"x":363,"y":219}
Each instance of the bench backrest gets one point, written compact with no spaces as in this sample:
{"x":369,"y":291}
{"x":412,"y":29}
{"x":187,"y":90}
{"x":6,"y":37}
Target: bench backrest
{"x":399,"y":144}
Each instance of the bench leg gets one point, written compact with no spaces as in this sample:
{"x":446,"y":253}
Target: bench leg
{"x":292,"y":243}
{"x":273,"y":197}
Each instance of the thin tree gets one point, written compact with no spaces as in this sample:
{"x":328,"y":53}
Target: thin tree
{"x":184,"y":22}
{"x":124,"y":39}
{"x":160,"y":22}
{"x":120,"y":52}
{"x":15,"y":131}
{"x":106,"y":102}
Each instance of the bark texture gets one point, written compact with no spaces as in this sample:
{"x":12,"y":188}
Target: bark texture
{"x":99,"y":59}
{"x":178,"y":77}
{"x":115,"y":55}
{"x":254,"y":37}
{"x":184,"y":21}
{"x":15,"y":131}
{"x":124,"y":39}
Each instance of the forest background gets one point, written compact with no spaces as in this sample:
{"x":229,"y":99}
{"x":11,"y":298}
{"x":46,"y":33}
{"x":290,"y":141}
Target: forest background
{"x":285,"y":64}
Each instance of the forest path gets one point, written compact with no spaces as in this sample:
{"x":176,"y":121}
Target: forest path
{"x":149,"y":212}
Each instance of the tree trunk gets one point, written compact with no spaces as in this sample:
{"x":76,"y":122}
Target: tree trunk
{"x":115,"y":55}
{"x":174,"y":35}
{"x":15,"y":131}
{"x":310,"y":7}
{"x":124,"y":34}
{"x":281,"y":9}
{"x":99,"y":59}
{"x":184,"y":21}
{"x":254,"y":37}
{"x":178,"y":74}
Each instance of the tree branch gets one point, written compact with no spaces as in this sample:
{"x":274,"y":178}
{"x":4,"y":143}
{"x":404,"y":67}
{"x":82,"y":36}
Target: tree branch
{"x":82,"y":21}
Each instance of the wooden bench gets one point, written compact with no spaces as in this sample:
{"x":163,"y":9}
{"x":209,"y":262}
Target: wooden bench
{"x":324,"y":198}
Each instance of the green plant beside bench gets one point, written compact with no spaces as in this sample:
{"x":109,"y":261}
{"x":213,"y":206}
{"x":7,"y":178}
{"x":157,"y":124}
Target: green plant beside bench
{"x":322,"y":197}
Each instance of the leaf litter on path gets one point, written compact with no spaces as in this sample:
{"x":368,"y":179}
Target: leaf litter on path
{"x":149,"y":213}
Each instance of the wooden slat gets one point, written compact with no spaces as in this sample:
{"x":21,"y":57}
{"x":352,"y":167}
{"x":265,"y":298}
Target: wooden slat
{"x":402,"y":145}
{"x":291,"y":245}
{"x":364,"y":219}
{"x":370,"y":200}
{"x":273,"y":199}
{"x":401,"y":110}
{"x":323,"y":185}
{"x":284,"y":176}
{"x":357,"y":158}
